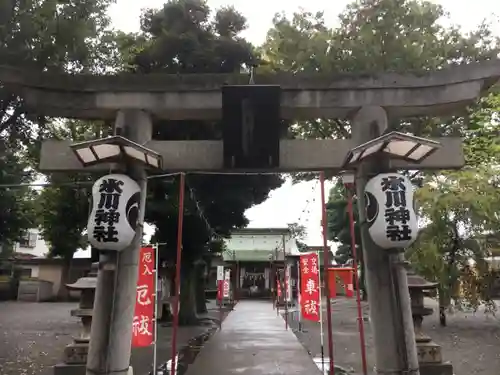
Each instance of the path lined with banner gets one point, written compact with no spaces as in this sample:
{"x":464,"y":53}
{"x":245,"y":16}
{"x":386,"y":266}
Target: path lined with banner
{"x":253,"y":341}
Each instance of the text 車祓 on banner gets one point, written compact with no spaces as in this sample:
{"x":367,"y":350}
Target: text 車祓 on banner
{"x":143,"y":324}
{"x":226,"y":284}
{"x":309,"y":288}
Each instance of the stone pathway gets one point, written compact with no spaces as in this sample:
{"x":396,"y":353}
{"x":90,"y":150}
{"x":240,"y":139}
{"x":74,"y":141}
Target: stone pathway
{"x":253,"y":341}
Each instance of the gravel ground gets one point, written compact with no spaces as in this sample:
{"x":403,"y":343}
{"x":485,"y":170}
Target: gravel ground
{"x":33,"y":337}
{"x":471,"y":341}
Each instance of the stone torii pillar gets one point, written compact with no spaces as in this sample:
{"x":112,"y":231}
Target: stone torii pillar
{"x":111,"y":331}
{"x":391,"y":317}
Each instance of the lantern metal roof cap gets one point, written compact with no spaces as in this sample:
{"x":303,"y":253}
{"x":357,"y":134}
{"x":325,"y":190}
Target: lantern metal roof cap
{"x":88,"y":282}
{"x":395,"y":144}
{"x":114,"y":149}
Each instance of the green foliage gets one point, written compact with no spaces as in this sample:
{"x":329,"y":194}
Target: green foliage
{"x":63,"y":210}
{"x":55,"y":35}
{"x":405,"y":36}
{"x":63,"y":213}
{"x":49,"y":35}
{"x":461,"y":208}
{"x":16,"y":204}
{"x":181,"y":38}
{"x":338,"y":224}
{"x":375,"y":36}
{"x":44,"y":35}
{"x":298,"y":232}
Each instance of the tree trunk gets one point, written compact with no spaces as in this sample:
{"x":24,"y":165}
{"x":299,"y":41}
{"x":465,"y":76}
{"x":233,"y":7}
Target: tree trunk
{"x":7,"y":249}
{"x":444,"y":302}
{"x":94,"y":255}
{"x":63,"y":293}
{"x":362,"y":282}
{"x":166,"y":313}
{"x":187,"y":312}
{"x":201,"y":300}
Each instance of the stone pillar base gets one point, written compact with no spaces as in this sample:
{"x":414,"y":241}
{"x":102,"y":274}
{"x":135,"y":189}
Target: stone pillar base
{"x":436,"y":369}
{"x":65,"y":369}
{"x":76,"y":353}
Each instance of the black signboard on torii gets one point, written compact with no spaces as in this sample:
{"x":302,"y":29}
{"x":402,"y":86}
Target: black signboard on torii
{"x":251,"y":126}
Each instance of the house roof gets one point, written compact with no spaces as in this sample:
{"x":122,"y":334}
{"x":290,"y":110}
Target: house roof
{"x":43,"y":260}
{"x":21,"y":256}
{"x":260,"y":244}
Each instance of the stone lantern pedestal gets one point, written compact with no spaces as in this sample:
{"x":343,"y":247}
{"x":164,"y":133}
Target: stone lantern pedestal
{"x":429,"y":353}
{"x":75,"y":354}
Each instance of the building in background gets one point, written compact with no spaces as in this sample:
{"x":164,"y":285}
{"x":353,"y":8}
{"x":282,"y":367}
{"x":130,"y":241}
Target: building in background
{"x":41,"y":277}
{"x":32,"y":243}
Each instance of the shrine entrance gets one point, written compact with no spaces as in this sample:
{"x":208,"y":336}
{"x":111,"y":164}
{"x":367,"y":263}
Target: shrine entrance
{"x":255,"y":281}
{"x":255,"y":255}
{"x":252,"y":110}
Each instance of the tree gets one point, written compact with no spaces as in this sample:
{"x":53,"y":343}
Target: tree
{"x":16,"y":203}
{"x":180,"y":38}
{"x":49,"y":35}
{"x":45,"y":35}
{"x":461,"y":210}
{"x":366,"y":42}
{"x":299,"y":233}
{"x":63,"y":208}
{"x":339,"y":230}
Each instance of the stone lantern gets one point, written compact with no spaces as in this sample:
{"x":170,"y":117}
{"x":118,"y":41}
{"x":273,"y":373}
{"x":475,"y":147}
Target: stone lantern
{"x":429,"y":353}
{"x":75,"y":354}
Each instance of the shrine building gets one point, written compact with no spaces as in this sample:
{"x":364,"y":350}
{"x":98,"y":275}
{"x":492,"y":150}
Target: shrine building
{"x":254,"y":255}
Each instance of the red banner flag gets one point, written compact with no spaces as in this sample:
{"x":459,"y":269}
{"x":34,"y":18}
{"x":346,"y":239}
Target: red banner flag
{"x":143,"y":324}
{"x":309,"y":288}
{"x":220,"y":291}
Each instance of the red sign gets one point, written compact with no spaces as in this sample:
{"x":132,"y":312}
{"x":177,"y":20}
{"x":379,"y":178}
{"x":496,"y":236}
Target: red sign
{"x":226,"y":284}
{"x":309,"y":287}
{"x":143,"y":324}
{"x":286,"y":287}
{"x":220,"y":287}
{"x":345,"y":276}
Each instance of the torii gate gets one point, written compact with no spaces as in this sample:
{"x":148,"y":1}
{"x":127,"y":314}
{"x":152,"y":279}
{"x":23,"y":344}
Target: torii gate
{"x":368,"y":101}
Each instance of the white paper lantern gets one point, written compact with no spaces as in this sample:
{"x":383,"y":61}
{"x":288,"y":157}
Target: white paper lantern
{"x":389,"y":211}
{"x":115,"y":210}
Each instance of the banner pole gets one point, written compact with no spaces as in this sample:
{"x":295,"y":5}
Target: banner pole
{"x":322,"y":335}
{"x":155,"y":348}
{"x":278,"y":288}
{"x":356,"y":279}
{"x":221,"y":298}
{"x":299,"y":291}
{"x":286,"y":281}
{"x":180,"y":223}
{"x":326,"y":262}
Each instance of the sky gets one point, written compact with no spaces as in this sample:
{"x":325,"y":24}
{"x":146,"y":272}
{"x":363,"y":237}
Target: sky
{"x":298,"y":202}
